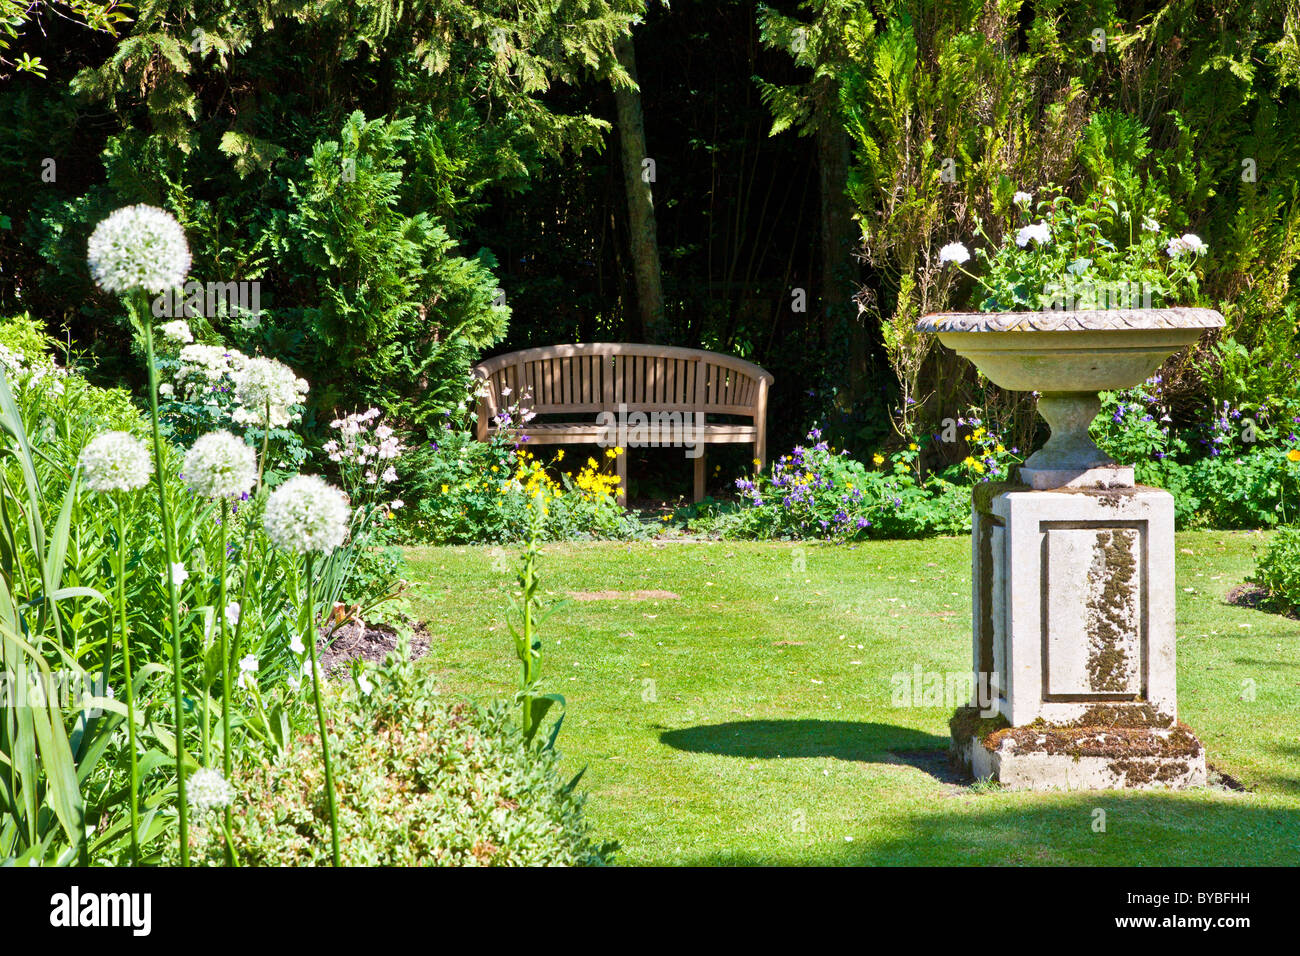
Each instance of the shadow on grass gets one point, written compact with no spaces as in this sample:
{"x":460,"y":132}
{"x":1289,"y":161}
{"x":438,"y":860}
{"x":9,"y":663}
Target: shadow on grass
{"x":840,"y":739}
{"x":997,"y":829}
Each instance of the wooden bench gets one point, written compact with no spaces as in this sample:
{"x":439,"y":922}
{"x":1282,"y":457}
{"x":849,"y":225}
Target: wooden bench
{"x":637,"y":395}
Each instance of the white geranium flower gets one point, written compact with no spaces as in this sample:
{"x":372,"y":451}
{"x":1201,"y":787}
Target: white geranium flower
{"x":1187,"y":242}
{"x":954,"y":252}
{"x":232,"y":614}
{"x":247,"y":671}
{"x":1022,"y":198}
{"x":179,"y":574}
{"x":206,"y":789}
{"x":138,"y":247}
{"x":305,"y":514}
{"x":364,"y":685}
{"x":1037,"y":231}
{"x":220,"y":465}
{"x":296,"y":645}
{"x":177,"y":331}
{"x":116,"y":461}
{"x":266,"y":388}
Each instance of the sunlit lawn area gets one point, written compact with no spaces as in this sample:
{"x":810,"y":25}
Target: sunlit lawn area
{"x":750,"y":719}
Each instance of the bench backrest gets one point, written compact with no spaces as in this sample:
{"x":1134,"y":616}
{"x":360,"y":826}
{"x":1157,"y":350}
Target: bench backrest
{"x":601,"y":376}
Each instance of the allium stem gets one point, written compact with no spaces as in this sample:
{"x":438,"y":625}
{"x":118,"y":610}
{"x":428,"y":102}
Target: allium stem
{"x":169,"y":546}
{"x":130,"y":683}
{"x":225,"y":666}
{"x":309,"y":638}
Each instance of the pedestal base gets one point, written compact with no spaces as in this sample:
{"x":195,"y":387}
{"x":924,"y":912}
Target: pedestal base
{"x":1084,"y":756}
{"x":1100,"y":476}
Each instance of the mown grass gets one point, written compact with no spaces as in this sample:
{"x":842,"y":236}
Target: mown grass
{"x":750,"y":719}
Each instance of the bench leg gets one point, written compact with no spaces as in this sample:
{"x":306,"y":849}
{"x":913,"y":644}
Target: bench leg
{"x":620,"y":465}
{"x":699,"y":476}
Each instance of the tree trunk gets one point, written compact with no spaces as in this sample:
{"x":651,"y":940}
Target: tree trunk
{"x":640,"y":200}
{"x":838,"y":268}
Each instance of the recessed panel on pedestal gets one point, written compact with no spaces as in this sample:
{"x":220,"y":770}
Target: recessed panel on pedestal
{"x":1093,"y":595}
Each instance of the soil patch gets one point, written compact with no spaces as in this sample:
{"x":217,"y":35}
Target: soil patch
{"x":356,"y":640}
{"x":624,"y":596}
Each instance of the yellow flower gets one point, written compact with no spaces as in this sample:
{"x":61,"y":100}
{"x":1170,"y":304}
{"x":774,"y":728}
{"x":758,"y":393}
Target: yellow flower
{"x":444,"y":489}
{"x":969,"y":462}
{"x":979,"y":467}
{"x":999,"y":449}
{"x":559,"y":455}
{"x":912,"y":447}
{"x":1294,"y":454}
{"x":879,"y":459}
{"x":979,"y":433}
{"x":495,"y":468}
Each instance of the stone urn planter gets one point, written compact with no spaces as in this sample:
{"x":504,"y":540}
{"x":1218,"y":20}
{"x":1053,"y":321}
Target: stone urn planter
{"x":1073,"y":642}
{"x":1068,"y":357}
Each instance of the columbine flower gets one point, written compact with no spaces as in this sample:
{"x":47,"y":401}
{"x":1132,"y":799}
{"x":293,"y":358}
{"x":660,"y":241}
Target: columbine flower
{"x":1187,"y":242}
{"x":138,"y":247}
{"x":1037,"y":232}
{"x":247,"y":671}
{"x":206,"y":789}
{"x":266,"y":388}
{"x":219,"y":465}
{"x":306,"y":514}
{"x":954,"y":252}
{"x":177,"y":331}
{"x":179,"y":574}
{"x":116,"y":461}
{"x":1022,"y":198}
{"x":232,"y":614}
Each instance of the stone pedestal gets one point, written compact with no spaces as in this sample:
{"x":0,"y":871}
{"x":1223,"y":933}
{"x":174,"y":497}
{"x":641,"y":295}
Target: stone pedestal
{"x":1073,"y":642}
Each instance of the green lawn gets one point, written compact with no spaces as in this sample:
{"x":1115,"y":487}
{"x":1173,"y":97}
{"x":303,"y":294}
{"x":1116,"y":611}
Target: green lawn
{"x":750,"y":720}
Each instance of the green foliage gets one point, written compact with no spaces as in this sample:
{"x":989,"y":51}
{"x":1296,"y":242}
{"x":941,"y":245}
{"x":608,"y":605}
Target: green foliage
{"x":422,"y":781}
{"x":1093,"y":255}
{"x":1278,"y":570}
{"x":815,"y":492}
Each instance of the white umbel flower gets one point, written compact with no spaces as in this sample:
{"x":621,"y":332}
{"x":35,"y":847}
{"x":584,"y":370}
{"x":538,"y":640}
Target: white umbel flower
{"x":1037,"y":232}
{"x":177,"y":331}
{"x":954,"y":252}
{"x":1187,"y":242}
{"x":116,"y":461}
{"x":206,"y":789}
{"x":138,"y":247}
{"x":266,"y":388}
{"x":305,"y":514}
{"x":220,"y":465}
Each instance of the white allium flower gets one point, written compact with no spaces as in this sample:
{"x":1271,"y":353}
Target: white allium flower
{"x":232,"y":614}
{"x":306,"y":514}
{"x":138,"y":247}
{"x":247,"y":671}
{"x":264,"y":382}
{"x":116,"y":461}
{"x":220,"y":465}
{"x":206,"y":789}
{"x":179,"y":574}
{"x":1022,"y":198}
{"x":178,"y":331}
{"x":954,"y":252}
{"x":1037,"y":232}
{"x":1187,"y":242}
